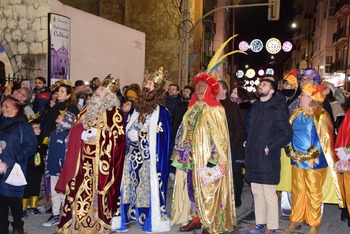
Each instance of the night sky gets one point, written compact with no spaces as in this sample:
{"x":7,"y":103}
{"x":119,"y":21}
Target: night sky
{"x":252,"y":23}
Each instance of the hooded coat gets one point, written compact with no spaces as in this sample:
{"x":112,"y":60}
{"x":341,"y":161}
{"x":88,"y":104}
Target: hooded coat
{"x":21,"y":144}
{"x":268,"y":127}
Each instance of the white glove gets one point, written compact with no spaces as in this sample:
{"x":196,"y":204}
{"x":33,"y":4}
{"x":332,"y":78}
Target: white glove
{"x":89,"y":134}
{"x":133,"y":135}
{"x":342,"y":154}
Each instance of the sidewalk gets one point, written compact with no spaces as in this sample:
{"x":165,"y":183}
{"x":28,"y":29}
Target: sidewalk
{"x":331,"y":219}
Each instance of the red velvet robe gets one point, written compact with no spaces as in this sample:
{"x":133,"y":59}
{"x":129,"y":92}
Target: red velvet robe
{"x":343,"y":140}
{"x":91,"y":175}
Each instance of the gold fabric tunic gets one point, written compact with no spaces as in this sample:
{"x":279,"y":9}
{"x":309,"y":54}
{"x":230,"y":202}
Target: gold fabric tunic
{"x":215,"y":202}
{"x":331,"y":189}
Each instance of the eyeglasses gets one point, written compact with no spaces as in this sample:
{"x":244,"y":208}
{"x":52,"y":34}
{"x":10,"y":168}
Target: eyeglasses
{"x":17,"y":90}
{"x":307,"y":79}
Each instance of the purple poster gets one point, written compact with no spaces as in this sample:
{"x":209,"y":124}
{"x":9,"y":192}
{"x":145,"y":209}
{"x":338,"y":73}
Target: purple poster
{"x":59,"y":41}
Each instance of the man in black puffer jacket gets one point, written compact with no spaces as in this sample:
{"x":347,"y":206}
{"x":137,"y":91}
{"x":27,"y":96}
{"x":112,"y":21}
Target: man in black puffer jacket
{"x":269,"y":131}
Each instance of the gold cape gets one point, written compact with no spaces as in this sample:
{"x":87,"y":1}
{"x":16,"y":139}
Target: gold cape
{"x":215,"y":202}
{"x":330,"y":189}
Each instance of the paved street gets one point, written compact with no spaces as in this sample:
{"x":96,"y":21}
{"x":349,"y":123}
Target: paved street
{"x":331,"y":220}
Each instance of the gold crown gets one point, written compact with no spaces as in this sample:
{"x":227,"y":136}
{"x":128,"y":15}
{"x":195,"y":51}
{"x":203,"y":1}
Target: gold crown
{"x":31,"y":118}
{"x":158,"y":76}
{"x":111,"y":83}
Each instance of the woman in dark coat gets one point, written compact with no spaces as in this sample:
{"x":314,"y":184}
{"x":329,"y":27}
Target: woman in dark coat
{"x":18,"y":143}
{"x":66,"y":101}
{"x":242,"y":98}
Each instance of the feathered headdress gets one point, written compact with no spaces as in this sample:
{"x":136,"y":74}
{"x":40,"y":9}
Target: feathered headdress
{"x":217,"y":60}
{"x":210,"y":75}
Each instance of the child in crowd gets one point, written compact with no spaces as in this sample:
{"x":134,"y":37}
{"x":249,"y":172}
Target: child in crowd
{"x":35,"y":171}
{"x":56,"y":155}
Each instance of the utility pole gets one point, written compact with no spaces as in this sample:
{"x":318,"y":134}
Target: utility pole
{"x":184,"y":30}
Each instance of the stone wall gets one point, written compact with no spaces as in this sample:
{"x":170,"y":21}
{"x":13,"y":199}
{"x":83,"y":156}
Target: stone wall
{"x":90,"y":6}
{"x":24,"y":35}
{"x":159,"y":20}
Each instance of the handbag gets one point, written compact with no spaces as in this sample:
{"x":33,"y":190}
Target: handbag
{"x":16,"y":176}
{"x":210,"y":174}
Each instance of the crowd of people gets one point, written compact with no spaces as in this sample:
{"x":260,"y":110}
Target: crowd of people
{"x":104,"y":154}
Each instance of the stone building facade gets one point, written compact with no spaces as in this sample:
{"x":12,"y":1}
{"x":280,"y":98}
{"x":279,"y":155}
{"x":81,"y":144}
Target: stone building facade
{"x":24,"y":35}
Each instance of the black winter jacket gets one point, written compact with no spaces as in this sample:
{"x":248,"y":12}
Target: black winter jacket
{"x":268,"y":127}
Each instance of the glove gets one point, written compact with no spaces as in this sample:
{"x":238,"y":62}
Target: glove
{"x":89,"y":134}
{"x":133,"y":135}
{"x":342,"y":155}
{"x":289,"y":151}
{"x":210,"y":165}
{"x":313,"y":151}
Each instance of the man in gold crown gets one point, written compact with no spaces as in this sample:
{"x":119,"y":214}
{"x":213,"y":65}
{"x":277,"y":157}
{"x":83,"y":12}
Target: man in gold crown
{"x":92,"y":170}
{"x":145,"y":175}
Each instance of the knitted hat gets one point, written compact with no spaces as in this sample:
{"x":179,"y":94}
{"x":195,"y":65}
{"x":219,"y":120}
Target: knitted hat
{"x":315,"y":92}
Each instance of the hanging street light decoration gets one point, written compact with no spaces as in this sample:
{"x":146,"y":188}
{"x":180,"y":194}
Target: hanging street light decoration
{"x":270,"y":71}
{"x":239,"y":74}
{"x":250,"y":73}
{"x":261,"y":72}
{"x":256,"y":45}
{"x":243,"y":46}
{"x":273,"y":45}
{"x":287,"y":46}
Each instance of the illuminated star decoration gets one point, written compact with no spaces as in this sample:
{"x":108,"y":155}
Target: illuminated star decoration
{"x":273,"y":45}
{"x":256,"y":45}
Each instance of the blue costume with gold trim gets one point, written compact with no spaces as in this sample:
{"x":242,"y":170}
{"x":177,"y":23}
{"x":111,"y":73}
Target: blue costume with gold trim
{"x":145,"y":175}
{"x":314,"y":180}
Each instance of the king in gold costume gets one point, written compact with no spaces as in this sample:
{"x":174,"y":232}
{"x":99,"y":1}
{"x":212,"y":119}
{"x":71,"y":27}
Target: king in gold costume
{"x":202,"y":141}
{"x":312,"y":156}
{"x":92,"y":171}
